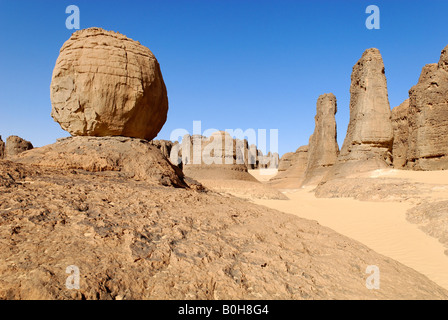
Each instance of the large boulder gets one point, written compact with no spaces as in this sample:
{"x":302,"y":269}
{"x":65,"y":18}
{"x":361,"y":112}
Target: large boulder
{"x":401,"y":132}
{"x":428,"y":118}
{"x":105,"y":84}
{"x":368,"y":143}
{"x":323,"y":146}
{"x":16,"y":145}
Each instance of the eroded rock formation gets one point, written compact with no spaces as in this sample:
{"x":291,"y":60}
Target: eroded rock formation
{"x":292,"y":172}
{"x":16,"y":145}
{"x":369,"y":139}
{"x":428,"y":118}
{"x":105,"y":84}
{"x":323,"y":145}
{"x":2,"y":148}
{"x":401,"y":132}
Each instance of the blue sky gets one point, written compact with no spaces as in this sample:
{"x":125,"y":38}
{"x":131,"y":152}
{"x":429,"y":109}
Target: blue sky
{"x":231,"y":64}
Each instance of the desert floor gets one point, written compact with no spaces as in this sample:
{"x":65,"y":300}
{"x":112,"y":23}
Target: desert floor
{"x":382,"y":226}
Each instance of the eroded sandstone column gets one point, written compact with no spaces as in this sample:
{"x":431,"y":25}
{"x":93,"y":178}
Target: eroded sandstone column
{"x":368,"y":143}
{"x":323,"y":146}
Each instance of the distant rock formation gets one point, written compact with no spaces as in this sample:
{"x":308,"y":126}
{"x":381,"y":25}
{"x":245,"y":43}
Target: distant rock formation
{"x":323,"y":145}
{"x":428,"y":118}
{"x":369,"y":139}
{"x":125,"y":157}
{"x":2,"y":148}
{"x":219,"y":162}
{"x":401,"y":132}
{"x":291,"y":172}
{"x":216,"y":157}
{"x":105,"y":84}
{"x":269,"y":161}
{"x":16,"y":145}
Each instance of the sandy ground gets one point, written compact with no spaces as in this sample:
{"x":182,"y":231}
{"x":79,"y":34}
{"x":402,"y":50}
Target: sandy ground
{"x":381,"y":226}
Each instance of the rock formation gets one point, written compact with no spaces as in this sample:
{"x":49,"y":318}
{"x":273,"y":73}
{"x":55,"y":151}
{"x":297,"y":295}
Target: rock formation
{"x":428,"y":118}
{"x":291,"y":172}
{"x":16,"y":145}
{"x":105,"y":84}
{"x":401,"y":132}
{"x":368,"y":143}
{"x":323,"y":146}
{"x":165,"y":147}
{"x":219,"y":163}
{"x":285,"y":161}
{"x":126,"y":157}
{"x":2,"y":148}
{"x":133,"y":240}
{"x":214,"y":157}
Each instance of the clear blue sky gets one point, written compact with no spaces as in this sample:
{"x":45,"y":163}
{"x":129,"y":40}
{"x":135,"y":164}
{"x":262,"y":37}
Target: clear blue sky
{"x":231,"y":64}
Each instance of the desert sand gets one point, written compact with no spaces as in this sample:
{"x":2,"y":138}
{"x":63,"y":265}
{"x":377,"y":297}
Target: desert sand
{"x":381,"y":226}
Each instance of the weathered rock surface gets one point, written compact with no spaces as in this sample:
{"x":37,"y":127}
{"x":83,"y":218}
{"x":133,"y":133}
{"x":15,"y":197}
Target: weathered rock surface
{"x":368,"y":143}
{"x":105,"y":84}
{"x":323,"y":145}
{"x":401,"y":133}
{"x":16,"y":145}
{"x":127,"y":157}
{"x":428,"y":118}
{"x":136,"y":240}
{"x":293,"y":176}
{"x":165,"y":147}
{"x":2,"y":148}
{"x":285,"y":161}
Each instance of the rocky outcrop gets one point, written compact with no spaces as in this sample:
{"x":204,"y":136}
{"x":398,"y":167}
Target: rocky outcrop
{"x":368,"y":143}
{"x":401,"y":132}
{"x":105,"y":84}
{"x":295,"y":164}
{"x":285,"y":161}
{"x":133,"y":240}
{"x":121,"y":156}
{"x":323,"y":145}
{"x":165,"y":146}
{"x":2,"y":148}
{"x":428,"y":118}
{"x":16,"y":145}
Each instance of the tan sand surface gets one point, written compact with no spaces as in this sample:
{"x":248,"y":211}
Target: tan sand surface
{"x":263,"y":175}
{"x":382,"y":226}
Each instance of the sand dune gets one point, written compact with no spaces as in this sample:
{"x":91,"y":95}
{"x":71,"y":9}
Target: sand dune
{"x":381,"y":226}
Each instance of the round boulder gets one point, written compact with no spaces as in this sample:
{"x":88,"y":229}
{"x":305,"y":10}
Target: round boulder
{"x":105,"y":84}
